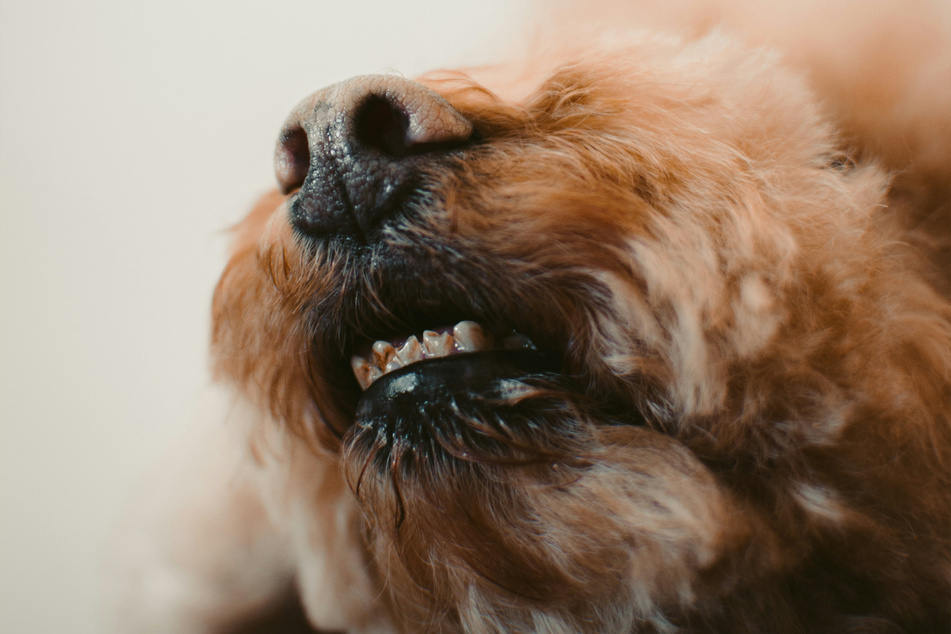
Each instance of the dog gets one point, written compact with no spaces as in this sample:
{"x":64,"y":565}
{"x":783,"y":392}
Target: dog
{"x":648,"y":333}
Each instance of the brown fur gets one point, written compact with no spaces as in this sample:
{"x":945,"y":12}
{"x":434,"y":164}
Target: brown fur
{"x":683,"y":222}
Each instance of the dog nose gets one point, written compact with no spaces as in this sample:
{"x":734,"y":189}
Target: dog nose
{"x":356,"y":150}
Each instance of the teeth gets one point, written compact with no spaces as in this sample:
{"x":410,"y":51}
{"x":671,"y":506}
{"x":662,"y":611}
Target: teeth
{"x":466,"y":336}
{"x":436,"y":345}
{"x":410,"y":351}
{"x":394,"y":364}
{"x":383,"y":353}
{"x":470,"y":337}
{"x":365,"y":372}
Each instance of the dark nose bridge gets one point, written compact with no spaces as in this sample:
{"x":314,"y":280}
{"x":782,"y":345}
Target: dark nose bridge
{"x":355,"y":149}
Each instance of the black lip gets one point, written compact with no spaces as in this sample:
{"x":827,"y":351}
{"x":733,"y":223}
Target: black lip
{"x":436,"y":382}
{"x":481,"y":406}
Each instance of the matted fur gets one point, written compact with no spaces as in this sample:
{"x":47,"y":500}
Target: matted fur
{"x":750,"y":431}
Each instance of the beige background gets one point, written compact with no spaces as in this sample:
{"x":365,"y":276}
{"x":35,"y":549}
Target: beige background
{"x":132,"y":134}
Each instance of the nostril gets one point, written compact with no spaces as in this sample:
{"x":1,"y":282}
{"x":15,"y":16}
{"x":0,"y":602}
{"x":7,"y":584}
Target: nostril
{"x":292,"y":159}
{"x":383,"y":126}
{"x":411,"y":123}
{"x":357,"y":151}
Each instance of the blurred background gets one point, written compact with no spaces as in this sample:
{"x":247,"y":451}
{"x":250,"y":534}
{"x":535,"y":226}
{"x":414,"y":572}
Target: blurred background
{"x":132,"y":135}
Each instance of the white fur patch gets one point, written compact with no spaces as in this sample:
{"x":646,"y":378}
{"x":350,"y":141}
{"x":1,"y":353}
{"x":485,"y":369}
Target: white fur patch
{"x":819,"y":502}
{"x":757,"y":316}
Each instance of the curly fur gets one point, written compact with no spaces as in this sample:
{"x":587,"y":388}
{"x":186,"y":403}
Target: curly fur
{"x":750,"y":430}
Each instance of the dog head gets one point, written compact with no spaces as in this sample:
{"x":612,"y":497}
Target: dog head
{"x":667,"y":357}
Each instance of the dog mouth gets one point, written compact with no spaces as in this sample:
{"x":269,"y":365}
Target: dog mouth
{"x":421,"y":354}
{"x":419,"y":312}
{"x":460,"y":343}
{"x":443,"y":367}
{"x":435,"y":391}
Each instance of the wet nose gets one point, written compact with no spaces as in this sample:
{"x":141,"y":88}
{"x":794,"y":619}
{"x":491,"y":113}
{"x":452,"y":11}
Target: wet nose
{"x":356,"y":150}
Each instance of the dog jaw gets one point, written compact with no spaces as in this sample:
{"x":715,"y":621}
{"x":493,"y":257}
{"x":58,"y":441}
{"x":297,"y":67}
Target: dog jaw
{"x":588,"y":527}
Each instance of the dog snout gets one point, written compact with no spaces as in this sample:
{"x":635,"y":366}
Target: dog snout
{"x":356,"y":150}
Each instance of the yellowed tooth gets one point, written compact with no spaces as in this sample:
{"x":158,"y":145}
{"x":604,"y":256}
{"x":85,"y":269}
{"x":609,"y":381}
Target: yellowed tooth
{"x":383,"y":352}
{"x":435,"y":344}
{"x":470,"y":337}
{"x":516,"y":341}
{"x":410,"y":351}
{"x":393,"y":364}
{"x":375,"y":373}
{"x":365,"y":372}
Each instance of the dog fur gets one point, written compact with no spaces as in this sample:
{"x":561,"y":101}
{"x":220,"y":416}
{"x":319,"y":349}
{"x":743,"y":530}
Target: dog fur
{"x":740,"y":259}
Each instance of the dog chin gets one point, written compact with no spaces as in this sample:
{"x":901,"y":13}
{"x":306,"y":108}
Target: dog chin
{"x":513,"y":486}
